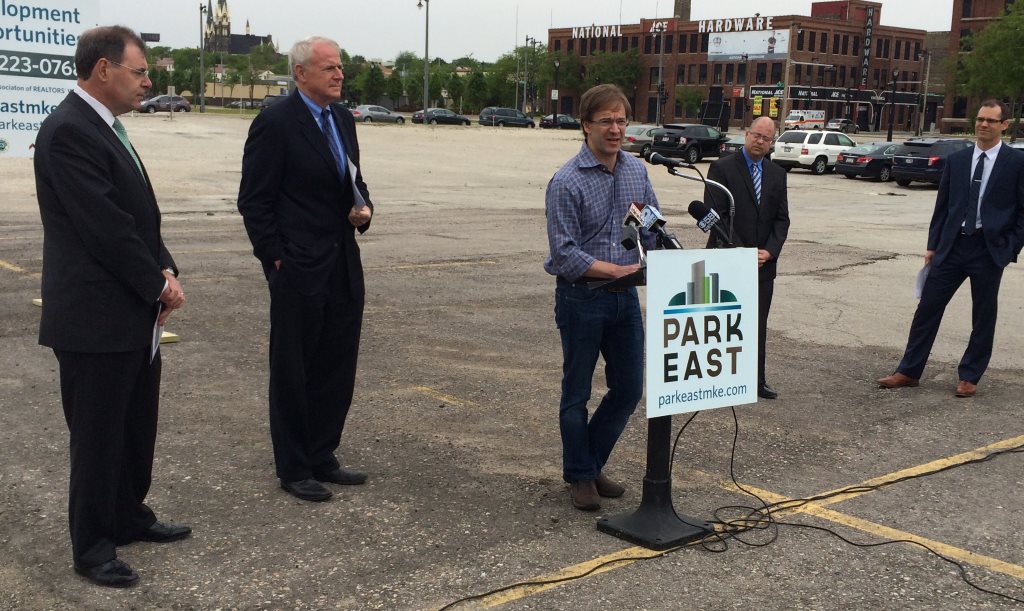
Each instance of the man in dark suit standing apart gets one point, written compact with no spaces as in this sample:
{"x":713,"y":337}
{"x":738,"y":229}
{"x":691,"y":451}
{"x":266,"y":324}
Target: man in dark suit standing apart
{"x":106,"y":274}
{"x":762,"y":219}
{"x":977,"y":229}
{"x":302,"y":196}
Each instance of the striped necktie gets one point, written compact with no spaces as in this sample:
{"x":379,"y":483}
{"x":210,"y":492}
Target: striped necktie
{"x":755,"y":175}
{"x":122,"y":135}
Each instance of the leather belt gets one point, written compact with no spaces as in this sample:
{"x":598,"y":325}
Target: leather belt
{"x":583,"y":282}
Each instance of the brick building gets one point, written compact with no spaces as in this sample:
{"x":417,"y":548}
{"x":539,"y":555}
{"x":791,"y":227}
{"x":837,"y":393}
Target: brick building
{"x":839,"y":59}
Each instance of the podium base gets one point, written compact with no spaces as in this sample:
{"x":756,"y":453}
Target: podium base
{"x":655,"y":524}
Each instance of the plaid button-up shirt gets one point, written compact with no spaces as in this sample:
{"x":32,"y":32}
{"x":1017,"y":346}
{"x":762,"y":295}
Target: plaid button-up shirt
{"x":585,"y":205}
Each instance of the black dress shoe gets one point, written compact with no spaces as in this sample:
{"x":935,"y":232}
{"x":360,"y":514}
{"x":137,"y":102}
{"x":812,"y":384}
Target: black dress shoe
{"x":307,"y":490}
{"x":160,"y":532}
{"x":111,"y":574}
{"x":342,"y":476}
{"x":766,"y":392}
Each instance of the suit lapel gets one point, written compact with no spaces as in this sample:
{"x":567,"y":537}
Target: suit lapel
{"x":312,"y":132}
{"x":744,"y":171}
{"x":107,"y":133}
{"x":997,"y":168}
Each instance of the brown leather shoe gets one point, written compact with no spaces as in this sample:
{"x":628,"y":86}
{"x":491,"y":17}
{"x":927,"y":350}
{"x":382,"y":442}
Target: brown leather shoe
{"x":608,"y":488}
{"x":584,"y":495}
{"x":897,"y":380}
{"x":965,"y":389}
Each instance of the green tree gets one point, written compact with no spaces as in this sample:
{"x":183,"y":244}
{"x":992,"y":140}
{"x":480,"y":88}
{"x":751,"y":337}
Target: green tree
{"x":373,"y":84}
{"x":393,"y":86}
{"x":501,"y":80}
{"x":689,"y":99}
{"x":476,"y":91}
{"x":993,"y":67}
{"x":617,"y":68}
{"x":456,"y":87}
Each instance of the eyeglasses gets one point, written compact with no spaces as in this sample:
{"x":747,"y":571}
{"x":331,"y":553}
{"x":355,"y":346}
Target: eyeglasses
{"x":759,"y":137}
{"x":608,"y":122}
{"x":987,"y":120}
{"x":139,"y":72}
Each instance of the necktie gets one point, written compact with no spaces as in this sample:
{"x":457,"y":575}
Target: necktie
{"x":122,"y":135}
{"x":971,"y":216}
{"x":755,"y":175}
{"x":332,"y":142}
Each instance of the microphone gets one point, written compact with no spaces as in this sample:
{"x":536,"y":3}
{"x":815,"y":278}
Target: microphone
{"x":633,"y":214}
{"x":658,"y":159}
{"x":630,"y":236}
{"x":651,"y":219}
{"x":707,"y":219}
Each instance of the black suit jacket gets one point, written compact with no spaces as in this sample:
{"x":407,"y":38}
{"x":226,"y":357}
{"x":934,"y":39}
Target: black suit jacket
{"x":763,"y":226}
{"x":102,"y":251}
{"x":1002,"y":206}
{"x":294,"y":201}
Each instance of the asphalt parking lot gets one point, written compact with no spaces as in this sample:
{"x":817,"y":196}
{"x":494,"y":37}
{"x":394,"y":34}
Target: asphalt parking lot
{"x":455,"y":415}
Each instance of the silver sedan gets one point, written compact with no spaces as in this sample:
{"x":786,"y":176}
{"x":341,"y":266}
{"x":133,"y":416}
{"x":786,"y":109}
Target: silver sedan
{"x":367,"y":113}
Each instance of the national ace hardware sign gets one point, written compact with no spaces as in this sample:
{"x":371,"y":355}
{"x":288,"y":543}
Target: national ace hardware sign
{"x":701,"y":330}
{"x":37,"y":64}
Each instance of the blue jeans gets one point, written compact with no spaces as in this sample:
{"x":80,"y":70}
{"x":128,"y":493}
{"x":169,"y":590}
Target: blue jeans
{"x":593,"y":322}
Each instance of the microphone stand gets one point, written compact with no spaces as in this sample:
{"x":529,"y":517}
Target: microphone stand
{"x":708,"y":181}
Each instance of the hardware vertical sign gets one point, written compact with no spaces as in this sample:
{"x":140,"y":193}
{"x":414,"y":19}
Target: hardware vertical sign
{"x":865,"y":60}
{"x":701,"y":330}
{"x":37,"y":64}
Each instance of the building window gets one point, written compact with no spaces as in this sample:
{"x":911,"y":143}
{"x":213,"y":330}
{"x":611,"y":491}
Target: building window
{"x":717,"y":78}
{"x":846,"y":43}
{"x":741,"y":74}
{"x":776,"y":72}
{"x":967,"y":9}
{"x":593,"y":45}
{"x":842,"y":75}
{"x":704,"y":42}
{"x":583,"y":47}
{"x":906,"y":52}
{"x":878,"y":78}
{"x":823,"y":48}
{"x":615,"y":44}
{"x":799,"y":70}
{"x":655,"y":79}
{"x":668,"y":44}
{"x":604,"y":44}
{"x":899,"y":48}
{"x":800,"y":40}
{"x":917,"y":51}
{"x":558,"y":45}
{"x":703,"y":78}
{"x":965,"y":42}
{"x":730,"y":73}
{"x":647,"y":45}
{"x":693,"y":74}
{"x":738,"y":108}
{"x":680,"y":74}
{"x":634,"y":42}
{"x":569,"y":46}
{"x":835,"y":44}
{"x":885,"y":48}
{"x":693,"y":43}
{"x":762,"y":74}
{"x":812,"y":41}
{"x":856,"y":46}
{"x":682,"y":43}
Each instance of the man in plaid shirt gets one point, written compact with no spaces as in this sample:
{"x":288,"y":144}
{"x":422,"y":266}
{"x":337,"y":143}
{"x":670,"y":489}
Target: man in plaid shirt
{"x":585,"y":203}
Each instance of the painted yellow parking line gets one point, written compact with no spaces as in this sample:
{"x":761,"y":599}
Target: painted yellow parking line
{"x":12,"y":267}
{"x":885,"y":532}
{"x":440,"y":396}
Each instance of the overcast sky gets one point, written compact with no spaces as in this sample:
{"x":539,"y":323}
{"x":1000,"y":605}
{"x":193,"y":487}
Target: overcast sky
{"x":484,"y":29}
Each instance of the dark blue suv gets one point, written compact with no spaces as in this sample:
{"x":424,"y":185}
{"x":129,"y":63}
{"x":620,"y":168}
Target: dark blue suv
{"x":923,"y":159}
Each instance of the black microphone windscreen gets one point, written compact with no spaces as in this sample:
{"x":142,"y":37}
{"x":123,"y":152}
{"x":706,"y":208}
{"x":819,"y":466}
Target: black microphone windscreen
{"x":697,"y":209}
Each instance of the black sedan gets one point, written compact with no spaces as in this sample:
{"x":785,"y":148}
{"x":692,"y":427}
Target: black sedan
{"x":440,"y":116}
{"x":564,"y":122}
{"x":871,"y":160}
{"x":692,"y":142}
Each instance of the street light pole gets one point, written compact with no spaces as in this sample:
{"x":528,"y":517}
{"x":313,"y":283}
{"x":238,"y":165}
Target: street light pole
{"x":661,"y":76}
{"x":554,"y":99}
{"x":924,"y":101}
{"x":892,"y":103}
{"x":202,"y":63}
{"x":426,"y":58}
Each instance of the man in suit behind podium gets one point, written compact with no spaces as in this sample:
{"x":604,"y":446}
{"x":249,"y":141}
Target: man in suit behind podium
{"x":106,"y":275}
{"x":762,"y":219}
{"x":302,"y":197}
{"x":976,"y":230}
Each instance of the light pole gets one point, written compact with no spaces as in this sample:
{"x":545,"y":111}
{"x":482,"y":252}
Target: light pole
{"x":527,"y":47}
{"x":661,"y":77}
{"x":745,"y":59}
{"x":892,"y":103}
{"x":202,"y":62}
{"x":794,"y":29}
{"x":554,"y":98}
{"x":927,"y":56}
{"x":426,"y":57}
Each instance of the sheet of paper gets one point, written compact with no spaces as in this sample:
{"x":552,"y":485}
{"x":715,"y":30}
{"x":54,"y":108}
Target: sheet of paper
{"x":922,"y":275}
{"x":158,"y":331}
{"x":359,"y":201}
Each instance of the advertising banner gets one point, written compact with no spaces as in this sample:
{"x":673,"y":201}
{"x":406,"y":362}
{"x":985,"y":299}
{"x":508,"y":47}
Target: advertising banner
{"x":701,"y":330}
{"x":37,"y":64}
{"x":756,"y":44}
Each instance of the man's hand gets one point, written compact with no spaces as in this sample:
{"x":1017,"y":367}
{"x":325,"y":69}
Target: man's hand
{"x":763,"y":256}
{"x":359,"y":216}
{"x":173,"y":296}
{"x":624,"y":270}
{"x":277,"y":264}
{"x":164,"y":313}
{"x":928,"y":256}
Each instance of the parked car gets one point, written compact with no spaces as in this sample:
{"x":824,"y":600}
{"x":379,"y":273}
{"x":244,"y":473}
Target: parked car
{"x":734,"y":144}
{"x":923,"y":159}
{"x":564,"y":122}
{"x":638,"y":139}
{"x":270,"y":100}
{"x":871,"y":159}
{"x":169,"y":103}
{"x":368,"y":113}
{"x":440,"y":116}
{"x":501,"y":117}
{"x":692,"y":142}
{"x":241,"y":104}
{"x":1016,"y":144}
{"x":816,"y":150}
{"x":842,"y":125}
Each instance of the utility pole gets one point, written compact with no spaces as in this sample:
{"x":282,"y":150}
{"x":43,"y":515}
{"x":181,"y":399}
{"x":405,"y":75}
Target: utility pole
{"x":784,"y":107}
{"x":661,"y":74}
{"x":924,"y":100}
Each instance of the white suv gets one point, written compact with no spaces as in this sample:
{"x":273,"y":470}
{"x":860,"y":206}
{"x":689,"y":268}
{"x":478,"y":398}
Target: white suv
{"x":816,"y":150}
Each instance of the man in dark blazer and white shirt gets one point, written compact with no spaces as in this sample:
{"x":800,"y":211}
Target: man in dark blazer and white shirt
{"x":107,"y":277}
{"x":976,"y":230}
{"x":761,"y":222}
{"x":302,"y":197}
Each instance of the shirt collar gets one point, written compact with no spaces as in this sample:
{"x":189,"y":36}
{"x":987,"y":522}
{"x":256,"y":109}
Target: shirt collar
{"x":991,"y":153}
{"x":101,"y":110}
{"x":311,"y":105}
{"x":750,"y":161}
{"x":586,"y":158}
